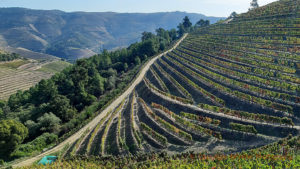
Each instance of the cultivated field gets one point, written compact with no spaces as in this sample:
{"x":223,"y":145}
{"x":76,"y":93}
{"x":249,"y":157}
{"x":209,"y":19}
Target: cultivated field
{"x":225,"y":88}
{"x":22,"y":74}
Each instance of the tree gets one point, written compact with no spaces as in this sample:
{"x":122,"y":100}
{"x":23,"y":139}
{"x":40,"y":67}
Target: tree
{"x":147,"y":36}
{"x":32,"y":127}
{"x":104,"y":60}
{"x":148,"y":48}
{"x":45,"y":91}
{"x":111,"y":83}
{"x":49,"y":122}
{"x":181,"y":30}
{"x":233,"y":15}
{"x":137,"y":61}
{"x":203,"y":23}
{"x":253,"y":5}
{"x":173,"y":34}
{"x":207,"y":23}
{"x":186,"y":22}
{"x":61,"y":107}
{"x":200,"y":23}
{"x":12,"y":133}
{"x":96,"y":85}
{"x":163,"y":35}
{"x":125,"y":66}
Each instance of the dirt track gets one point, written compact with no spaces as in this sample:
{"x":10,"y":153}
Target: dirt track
{"x":95,"y":121}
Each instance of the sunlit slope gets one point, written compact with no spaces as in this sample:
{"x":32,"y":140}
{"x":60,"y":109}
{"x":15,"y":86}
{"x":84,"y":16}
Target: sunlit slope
{"x":227,"y":87}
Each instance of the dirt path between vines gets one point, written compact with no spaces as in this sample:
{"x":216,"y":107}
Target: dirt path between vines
{"x":95,"y":121}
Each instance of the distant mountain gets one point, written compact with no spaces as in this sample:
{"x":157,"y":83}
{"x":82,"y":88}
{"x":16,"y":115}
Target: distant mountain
{"x":80,"y":34}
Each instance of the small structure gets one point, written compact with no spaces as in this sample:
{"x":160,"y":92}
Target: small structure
{"x":47,"y":160}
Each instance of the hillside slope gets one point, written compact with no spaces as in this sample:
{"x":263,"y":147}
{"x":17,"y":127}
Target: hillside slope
{"x":80,"y":34}
{"x":225,"y":88}
{"x":22,"y":72}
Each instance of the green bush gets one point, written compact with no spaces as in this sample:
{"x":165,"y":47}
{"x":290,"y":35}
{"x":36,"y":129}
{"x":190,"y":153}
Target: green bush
{"x":36,"y":145}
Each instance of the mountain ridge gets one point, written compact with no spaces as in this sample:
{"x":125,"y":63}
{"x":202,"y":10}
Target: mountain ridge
{"x":72,"y":35}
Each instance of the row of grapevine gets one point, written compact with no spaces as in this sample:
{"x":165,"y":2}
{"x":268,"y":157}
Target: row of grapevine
{"x":282,"y":86}
{"x":244,"y":128}
{"x":107,"y":127}
{"x":187,"y":124}
{"x":183,"y":100}
{"x":158,"y":137}
{"x":235,"y":93}
{"x":201,"y":118}
{"x":248,"y":116}
{"x":165,"y":124}
{"x":161,"y":82}
{"x":259,"y":92}
{"x":207,"y":94}
{"x":95,"y":131}
{"x":177,"y":84}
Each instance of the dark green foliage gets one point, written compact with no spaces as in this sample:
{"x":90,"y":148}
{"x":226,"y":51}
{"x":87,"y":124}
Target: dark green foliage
{"x":61,"y":107}
{"x":186,"y":22}
{"x":49,"y":122}
{"x":233,"y":15}
{"x":185,"y":26}
{"x":12,"y":133}
{"x":9,"y":57}
{"x":202,"y":23}
{"x":36,"y":145}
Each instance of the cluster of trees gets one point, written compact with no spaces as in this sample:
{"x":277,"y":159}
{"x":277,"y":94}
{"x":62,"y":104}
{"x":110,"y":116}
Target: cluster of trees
{"x":56,"y":105}
{"x":202,"y":23}
{"x":187,"y":25}
{"x":9,"y":57}
{"x":12,"y":133}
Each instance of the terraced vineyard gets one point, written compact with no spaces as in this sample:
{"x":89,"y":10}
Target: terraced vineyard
{"x":21,"y":75}
{"x":227,"y":87}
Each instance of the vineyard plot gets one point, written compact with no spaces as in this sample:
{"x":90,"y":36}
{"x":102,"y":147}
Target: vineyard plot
{"x":227,"y":87}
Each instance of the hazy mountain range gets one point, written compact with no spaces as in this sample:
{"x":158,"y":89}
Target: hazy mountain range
{"x":80,"y":34}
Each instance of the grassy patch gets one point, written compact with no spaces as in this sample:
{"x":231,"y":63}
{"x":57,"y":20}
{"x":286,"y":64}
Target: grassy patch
{"x":14,"y":64}
{"x":54,"y":67}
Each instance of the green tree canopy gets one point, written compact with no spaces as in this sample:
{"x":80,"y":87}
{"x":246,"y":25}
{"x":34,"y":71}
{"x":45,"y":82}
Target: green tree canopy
{"x":202,"y":23}
{"x":186,"y":22}
{"x":49,"y":122}
{"x":61,"y":107}
{"x":12,"y":133}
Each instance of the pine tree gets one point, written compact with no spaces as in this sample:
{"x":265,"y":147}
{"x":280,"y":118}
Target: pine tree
{"x":253,"y":5}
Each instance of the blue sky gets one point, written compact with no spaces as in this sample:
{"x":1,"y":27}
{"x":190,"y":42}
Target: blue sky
{"x":207,"y":7}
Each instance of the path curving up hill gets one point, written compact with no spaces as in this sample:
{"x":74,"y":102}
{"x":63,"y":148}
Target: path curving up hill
{"x":96,"y":120}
